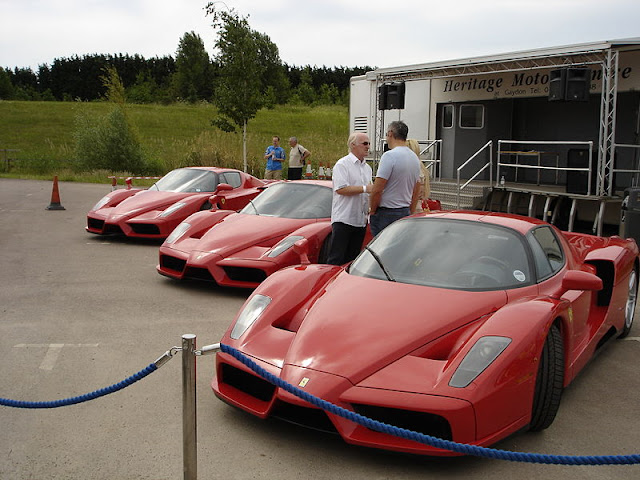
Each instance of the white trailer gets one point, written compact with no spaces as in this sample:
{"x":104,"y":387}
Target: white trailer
{"x":561,"y":120}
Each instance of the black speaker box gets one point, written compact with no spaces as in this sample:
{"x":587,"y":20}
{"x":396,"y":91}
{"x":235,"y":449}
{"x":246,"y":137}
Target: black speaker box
{"x":570,"y":84}
{"x":578,"y":182}
{"x":557,"y":80}
{"x":578,"y":84}
{"x":391,"y":96}
{"x":382,"y":97}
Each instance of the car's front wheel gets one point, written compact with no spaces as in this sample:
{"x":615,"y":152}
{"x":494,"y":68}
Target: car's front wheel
{"x":549,"y":382}
{"x":630,"y":309}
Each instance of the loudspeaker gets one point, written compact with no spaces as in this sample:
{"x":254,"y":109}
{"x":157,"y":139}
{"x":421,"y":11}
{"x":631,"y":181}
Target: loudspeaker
{"x":570,"y":84}
{"x":391,"y":96}
{"x":578,"y":182}
{"x":382,"y":97}
{"x":578,"y":84}
{"x":557,"y":80}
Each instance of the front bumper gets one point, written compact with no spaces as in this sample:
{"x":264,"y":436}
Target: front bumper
{"x":442,"y":417}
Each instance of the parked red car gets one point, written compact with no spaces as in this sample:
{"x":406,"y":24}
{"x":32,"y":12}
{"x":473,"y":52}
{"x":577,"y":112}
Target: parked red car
{"x":465,"y":326}
{"x":155,"y":212}
{"x":241,"y":249}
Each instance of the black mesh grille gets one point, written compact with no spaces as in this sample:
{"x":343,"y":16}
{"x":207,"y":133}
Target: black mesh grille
{"x":247,"y":383}
{"x":306,"y":417}
{"x":241,"y":274}
{"x":95,"y":224}
{"x":199,"y":274}
{"x":172,"y":263}
{"x":145,"y":228}
{"x":115,"y":229}
{"x":421,"y":422}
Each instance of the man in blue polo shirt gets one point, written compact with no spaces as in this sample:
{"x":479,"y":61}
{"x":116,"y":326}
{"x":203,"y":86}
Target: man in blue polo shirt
{"x":274,"y":156}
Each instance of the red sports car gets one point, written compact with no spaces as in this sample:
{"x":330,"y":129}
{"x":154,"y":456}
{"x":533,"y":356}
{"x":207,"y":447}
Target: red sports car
{"x":155,"y":212}
{"x":461,"y":325}
{"x":242,"y":249}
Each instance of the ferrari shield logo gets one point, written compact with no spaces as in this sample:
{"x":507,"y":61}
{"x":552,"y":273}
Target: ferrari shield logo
{"x":222,"y":200}
{"x":303,"y":382}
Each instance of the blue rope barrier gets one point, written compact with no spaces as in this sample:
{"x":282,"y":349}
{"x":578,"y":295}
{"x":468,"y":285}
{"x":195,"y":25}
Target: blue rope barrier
{"x":82,"y":398}
{"x":466,"y":449}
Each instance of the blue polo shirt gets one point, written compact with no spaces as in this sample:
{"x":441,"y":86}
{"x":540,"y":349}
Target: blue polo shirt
{"x":279,"y":154}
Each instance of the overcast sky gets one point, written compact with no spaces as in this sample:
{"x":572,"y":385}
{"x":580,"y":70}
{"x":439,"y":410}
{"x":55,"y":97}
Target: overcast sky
{"x":326,"y":32}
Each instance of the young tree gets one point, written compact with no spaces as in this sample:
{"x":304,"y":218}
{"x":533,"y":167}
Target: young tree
{"x":244,"y":58}
{"x":193,"y":79}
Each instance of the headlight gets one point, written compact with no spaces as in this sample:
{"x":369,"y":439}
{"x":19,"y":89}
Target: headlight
{"x":250,"y":313}
{"x":178,"y":232}
{"x":103,"y":201}
{"x":481,"y":355}
{"x":283,"y":245}
{"x":172,"y":208}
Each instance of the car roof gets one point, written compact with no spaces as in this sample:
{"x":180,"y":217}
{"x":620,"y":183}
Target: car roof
{"x":212,"y":169}
{"x":518,"y":223}
{"x":322,"y":183}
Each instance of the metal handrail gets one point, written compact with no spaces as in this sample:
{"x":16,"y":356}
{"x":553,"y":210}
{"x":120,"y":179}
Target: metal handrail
{"x":636,"y":171}
{"x":433,"y":162}
{"x":540,"y":168}
{"x":489,"y":164}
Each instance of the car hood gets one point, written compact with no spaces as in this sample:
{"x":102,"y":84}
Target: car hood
{"x":240,"y":231}
{"x":378,"y":322}
{"x":148,"y":200}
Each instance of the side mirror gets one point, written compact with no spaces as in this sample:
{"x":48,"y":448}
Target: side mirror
{"x":579,"y":280}
{"x":213,"y":200}
{"x":222,"y":187}
{"x":301,"y":248}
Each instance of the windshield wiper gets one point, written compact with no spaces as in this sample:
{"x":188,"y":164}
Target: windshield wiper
{"x":254,"y":207}
{"x":377,"y":259}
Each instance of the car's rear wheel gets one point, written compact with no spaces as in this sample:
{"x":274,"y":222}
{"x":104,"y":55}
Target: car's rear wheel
{"x":549,"y":382}
{"x":630,"y":309}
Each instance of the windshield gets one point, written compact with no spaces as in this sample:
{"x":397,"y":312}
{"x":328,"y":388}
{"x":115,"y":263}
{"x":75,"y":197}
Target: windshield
{"x":187,"y":180}
{"x":446,"y":253}
{"x":292,"y":200}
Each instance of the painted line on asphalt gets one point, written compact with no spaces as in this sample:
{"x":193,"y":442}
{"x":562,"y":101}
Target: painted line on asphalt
{"x":53,"y":351}
{"x":636,"y":339}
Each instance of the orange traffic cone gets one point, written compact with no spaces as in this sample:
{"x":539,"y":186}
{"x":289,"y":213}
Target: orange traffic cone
{"x":55,"y":197}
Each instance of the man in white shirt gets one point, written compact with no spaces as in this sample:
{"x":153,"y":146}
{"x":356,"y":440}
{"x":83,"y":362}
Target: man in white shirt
{"x":396,"y":188}
{"x":350,"y":207}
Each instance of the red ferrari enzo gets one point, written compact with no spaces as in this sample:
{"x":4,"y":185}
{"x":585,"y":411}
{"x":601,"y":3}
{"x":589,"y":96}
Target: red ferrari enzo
{"x":461,"y":325}
{"x":241,"y":249}
{"x":155,"y":212}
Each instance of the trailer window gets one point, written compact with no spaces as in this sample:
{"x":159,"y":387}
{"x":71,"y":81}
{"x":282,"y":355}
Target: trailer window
{"x":447,"y":116}
{"x":471,"y":116}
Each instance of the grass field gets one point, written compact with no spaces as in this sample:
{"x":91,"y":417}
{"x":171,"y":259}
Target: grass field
{"x":173,"y":136}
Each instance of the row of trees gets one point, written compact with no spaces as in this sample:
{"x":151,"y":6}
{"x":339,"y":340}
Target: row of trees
{"x":191,"y":76}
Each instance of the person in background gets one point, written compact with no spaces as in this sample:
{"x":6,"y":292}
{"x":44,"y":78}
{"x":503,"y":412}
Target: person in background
{"x":425,"y":182}
{"x":297,"y":159}
{"x":350,"y":205}
{"x":274,"y":156}
{"x":397,"y":185}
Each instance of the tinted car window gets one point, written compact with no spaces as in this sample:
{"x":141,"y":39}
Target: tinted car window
{"x":547,"y":253}
{"x":292,"y":200}
{"x":232,"y":178}
{"x":447,"y":253}
{"x":187,"y":180}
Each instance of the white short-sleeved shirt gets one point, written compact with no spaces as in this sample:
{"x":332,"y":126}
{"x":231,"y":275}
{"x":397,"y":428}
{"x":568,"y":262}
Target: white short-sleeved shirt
{"x":400,"y":166}
{"x":295,"y":156}
{"x":350,"y":209}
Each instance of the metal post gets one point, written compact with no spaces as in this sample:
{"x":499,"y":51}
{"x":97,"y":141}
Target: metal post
{"x":189,"y":431}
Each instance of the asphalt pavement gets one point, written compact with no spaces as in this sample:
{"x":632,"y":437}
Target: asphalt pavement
{"x":80,"y":312}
